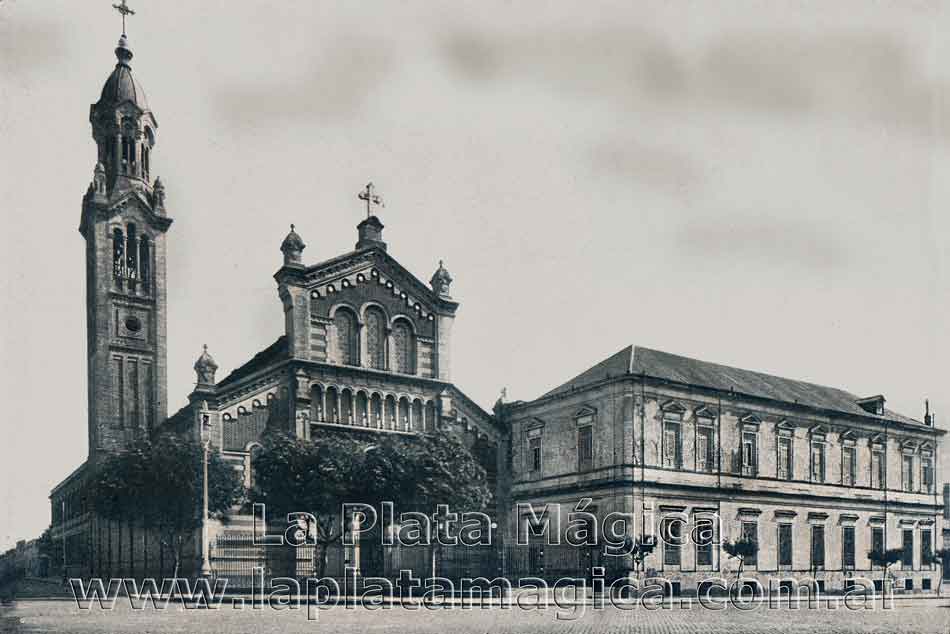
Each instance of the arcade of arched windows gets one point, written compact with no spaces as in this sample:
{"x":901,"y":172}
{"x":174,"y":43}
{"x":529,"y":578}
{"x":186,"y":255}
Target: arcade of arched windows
{"x":131,"y":260}
{"x":371,"y":409}
{"x":374,"y":342}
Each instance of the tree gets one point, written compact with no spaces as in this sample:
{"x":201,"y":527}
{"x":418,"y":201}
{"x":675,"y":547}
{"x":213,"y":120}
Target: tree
{"x":158,"y":483}
{"x":741,"y":549}
{"x":320,"y":475}
{"x":939,"y":556}
{"x":885,"y":559}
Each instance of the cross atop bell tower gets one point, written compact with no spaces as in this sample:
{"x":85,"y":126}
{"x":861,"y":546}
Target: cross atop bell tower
{"x":125,"y":11}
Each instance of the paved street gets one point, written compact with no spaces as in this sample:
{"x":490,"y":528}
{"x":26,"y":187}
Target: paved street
{"x":912,"y":616}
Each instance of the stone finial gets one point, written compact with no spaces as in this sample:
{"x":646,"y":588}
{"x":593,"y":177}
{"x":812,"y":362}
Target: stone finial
{"x":441,"y":281}
{"x":98,"y":186}
{"x":292,"y":247}
{"x":123,"y":52}
{"x":205,"y":368}
{"x":158,"y":190}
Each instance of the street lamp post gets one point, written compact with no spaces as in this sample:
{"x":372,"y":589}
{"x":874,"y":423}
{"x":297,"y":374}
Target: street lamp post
{"x":205,"y":443}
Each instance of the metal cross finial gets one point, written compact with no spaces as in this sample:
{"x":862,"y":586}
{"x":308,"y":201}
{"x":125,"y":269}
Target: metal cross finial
{"x":124,"y":10}
{"x":371,"y":197}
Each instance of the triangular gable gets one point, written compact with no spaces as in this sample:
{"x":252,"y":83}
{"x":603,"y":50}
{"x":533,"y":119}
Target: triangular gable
{"x":674,"y":407}
{"x":376,"y":266}
{"x":750,"y":419}
{"x":586,"y":410}
{"x":705,"y":412}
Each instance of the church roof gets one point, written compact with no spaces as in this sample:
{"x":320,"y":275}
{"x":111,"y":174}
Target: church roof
{"x":636,"y":360}
{"x":277,"y":351}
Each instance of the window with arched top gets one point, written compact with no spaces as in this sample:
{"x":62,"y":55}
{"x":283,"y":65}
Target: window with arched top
{"x":346,"y":337}
{"x":144,"y":263}
{"x":403,"y":348}
{"x":375,"y":339}
{"x":132,"y":255}
{"x":118,"y":253}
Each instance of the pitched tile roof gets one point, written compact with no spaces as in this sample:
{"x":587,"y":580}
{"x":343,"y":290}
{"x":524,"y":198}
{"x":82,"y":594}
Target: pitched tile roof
{"x":671,"y":367}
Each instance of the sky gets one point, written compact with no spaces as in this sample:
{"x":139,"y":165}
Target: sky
{"x":751,"y":183}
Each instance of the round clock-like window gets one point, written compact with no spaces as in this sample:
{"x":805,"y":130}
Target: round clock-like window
{"x":133,"y":324}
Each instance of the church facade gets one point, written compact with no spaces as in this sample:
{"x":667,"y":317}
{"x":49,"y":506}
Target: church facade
{"x":815,"y":475}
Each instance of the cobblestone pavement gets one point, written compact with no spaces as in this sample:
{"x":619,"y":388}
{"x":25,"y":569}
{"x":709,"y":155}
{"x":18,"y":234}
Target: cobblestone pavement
{"x":922,"y":616}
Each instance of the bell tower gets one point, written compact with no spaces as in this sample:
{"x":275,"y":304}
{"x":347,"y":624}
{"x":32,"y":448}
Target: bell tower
{"x":124,"y":223}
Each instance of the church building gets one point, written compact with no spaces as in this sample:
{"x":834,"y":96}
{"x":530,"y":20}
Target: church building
{"x":366,"y":343}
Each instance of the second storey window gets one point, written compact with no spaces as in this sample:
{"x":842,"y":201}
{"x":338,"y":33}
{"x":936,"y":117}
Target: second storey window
{"x":907,"y":472}
{"x":877,"y":468}
{"x":927,"y":473}
{"x":817,"y":462}
{"x":784,"y":458}
{"x":750,"y":453}
{"x":585,"y":448}
{"x":847,"y":466}
{"x":672,"y":440}
{"x":705,"y":448}
{"x":534,"y":453}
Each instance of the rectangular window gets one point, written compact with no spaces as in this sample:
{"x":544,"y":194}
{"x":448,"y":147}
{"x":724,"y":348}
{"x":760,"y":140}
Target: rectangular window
{"x":847,"y":466}
{"x":817,"y":546}
{"x":750,"y":453}
{"x":704,"y":542}
{"x":877,"y":469}
{"x":534,"y":454}
{"x":784,"y":544}
{"x":705,"y":449}
{"x":672,"y":444}
{"x":817,"y":462}
{"x":847,"y":546}
{"x":672,"y":535}
{"x":877,"y":539}
{"x":907,"y":557}
{"x":926,"y":548}
{"x":750,"y":531}
{"x":907,"y":472}
{"x":927,"y":473}
{"x":585,"y":448}
{"x":784,"y":458}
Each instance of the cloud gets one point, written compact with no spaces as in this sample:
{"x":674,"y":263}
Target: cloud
{"x":28,"y":46}
{"x":748,"y":239}
{"x":663,"y":169}
{"x":336,"y":83}
{"x":874,"y":76}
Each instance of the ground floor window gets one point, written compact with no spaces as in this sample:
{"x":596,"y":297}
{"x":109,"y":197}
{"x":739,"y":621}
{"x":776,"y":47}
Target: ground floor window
{"x":784,"y":544}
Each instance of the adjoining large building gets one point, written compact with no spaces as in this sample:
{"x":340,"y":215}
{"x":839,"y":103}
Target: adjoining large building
{"x":816,"y":475}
